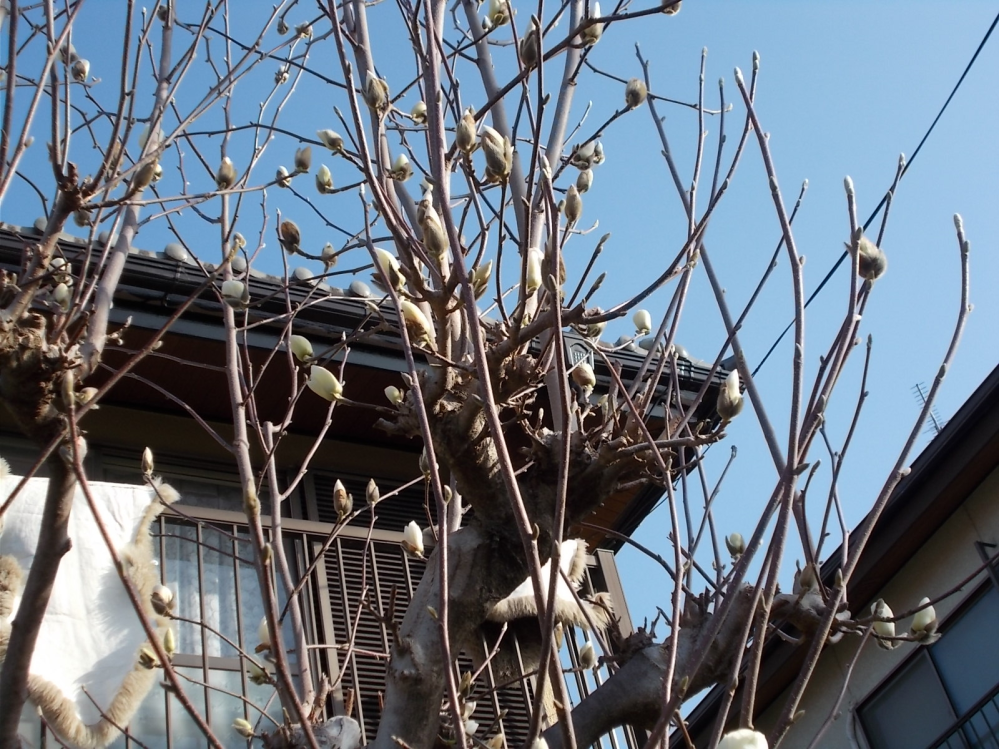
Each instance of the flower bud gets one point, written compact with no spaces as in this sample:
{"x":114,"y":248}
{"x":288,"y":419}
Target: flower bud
{"x":591,"y":34}
{"x":465,"y":133}
{"x":303,"y":159}
{"x":420,"y":330}
{"x":371,"y":494}
{"x":573,"y":205}
{"x":596,"y":329}
{"x":147,"y":462}
{"x":871,"y":260}
{"x":226,"y":175}
{"x":324,"y":180}
{"x":235,"y":293}
{"x":635,"y":93}
{"x":582,"y":375}
{"x":343,"y":503}
{"x":730,"y":397}
{"x":401,"y":168}
{"x":324,"y":384}
{"x":480,"y":278}
{"x":143,"y":178}
{"x":735,"y":544}
{"x":499,"y":12}
{"x":533,"y":276}
{"x":434,"y":236}
{"x":162,"y":599}
{"x":328,"y":255}
{"x":583,"y":156}
{"x":244,"y":728}
{"x":282,"y":177}
{"x":387,"y":270}
{"x":471,"y":726}
{"x":530,"y":46}
{"x":671,"y":9}
{"x":499,"y":155}
{"x":82,"y":218}
{"x":585,"y":180}
{"x":282,"y":26}
{"x":331,"y":139}
{"x":743,"y":738}
{"x":281,"y":76}
{"x":419,"y":113}
{"x":169,"y":642}
{"x":587,"y":656}
{"x":924,"y":623}
{"x":394,"y":395}
{"x":643,"y":322}
{"x":290,"y":236}
{"x":257,"y":674}
{"x":304,"y":30}
{"x":376,"y":93}
{"x":80,"y":70}
{"x":883,"y":629}
{"x":412,"y":540}
{"x":301,"y":347}
{"x":61,"y":295}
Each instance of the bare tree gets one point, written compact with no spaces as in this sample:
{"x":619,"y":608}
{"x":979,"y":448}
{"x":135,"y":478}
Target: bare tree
{"x":475,"y":285}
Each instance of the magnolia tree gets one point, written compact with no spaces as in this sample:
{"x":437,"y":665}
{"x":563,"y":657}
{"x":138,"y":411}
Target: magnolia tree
{"x":461,"y":208}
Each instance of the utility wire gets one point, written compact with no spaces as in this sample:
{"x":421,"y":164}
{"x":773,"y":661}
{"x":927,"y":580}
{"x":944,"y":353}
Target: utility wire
{"x":884,"y":199}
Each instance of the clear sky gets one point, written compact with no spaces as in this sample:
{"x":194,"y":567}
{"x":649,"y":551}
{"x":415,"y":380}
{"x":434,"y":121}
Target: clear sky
{"x":844,"y":88}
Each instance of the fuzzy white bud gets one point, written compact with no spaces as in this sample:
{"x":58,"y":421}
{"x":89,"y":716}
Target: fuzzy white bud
{"x":412,"y":540}
{"x":147,"y":462}
{"x":226,"y":175}
{"x":301,"y":347}
{"x":743,"y":738}
{"x":643,"y":322}
{"x":882,"y":629}
{"x":730,"y":397}
{"x":331,"y":139}
{"x":324,"y":384}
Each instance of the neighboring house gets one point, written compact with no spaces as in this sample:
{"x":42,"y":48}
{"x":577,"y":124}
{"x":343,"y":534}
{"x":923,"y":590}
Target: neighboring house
{"x":935,"y":538}
{"x":203,"y":550}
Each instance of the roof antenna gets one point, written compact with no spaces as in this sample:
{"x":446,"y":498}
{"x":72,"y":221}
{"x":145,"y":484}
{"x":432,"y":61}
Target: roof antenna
{"x":934,"y":423}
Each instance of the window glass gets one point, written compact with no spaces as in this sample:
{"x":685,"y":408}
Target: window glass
{"x":180,"y":574}
{"x":218,"y":593}
{"x":967,"y":656}
{"x":909,"y":711}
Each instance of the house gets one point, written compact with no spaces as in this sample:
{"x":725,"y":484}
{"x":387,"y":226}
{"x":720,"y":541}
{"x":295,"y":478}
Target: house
{"x":938,"y":537}
{"x":202,"y":542}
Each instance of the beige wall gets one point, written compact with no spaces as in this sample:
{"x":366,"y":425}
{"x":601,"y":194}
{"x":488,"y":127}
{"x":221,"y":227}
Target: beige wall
{"x":948,"y":557}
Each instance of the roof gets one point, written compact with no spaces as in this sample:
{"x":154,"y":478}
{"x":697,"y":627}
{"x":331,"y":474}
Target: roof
{"x":941,"y":478}
{"x":154,"y":284}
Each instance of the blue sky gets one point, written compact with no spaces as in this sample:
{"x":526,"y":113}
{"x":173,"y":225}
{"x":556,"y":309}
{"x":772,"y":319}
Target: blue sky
{"x":845,"y":88}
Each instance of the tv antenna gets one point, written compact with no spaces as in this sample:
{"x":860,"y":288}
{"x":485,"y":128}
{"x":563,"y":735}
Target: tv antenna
{"x":934,"y":423}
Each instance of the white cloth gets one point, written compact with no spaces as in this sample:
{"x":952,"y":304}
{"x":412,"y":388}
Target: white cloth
{"x":90,"y":635}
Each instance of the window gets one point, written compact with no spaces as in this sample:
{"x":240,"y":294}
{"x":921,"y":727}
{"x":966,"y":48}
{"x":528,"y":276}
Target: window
{"x":947,"y":690}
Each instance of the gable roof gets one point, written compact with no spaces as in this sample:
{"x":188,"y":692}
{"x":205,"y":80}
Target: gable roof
{"x":153,"y":285}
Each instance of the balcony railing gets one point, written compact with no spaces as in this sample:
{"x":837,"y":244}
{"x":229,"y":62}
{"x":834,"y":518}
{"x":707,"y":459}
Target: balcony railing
{"x":976,"y":729}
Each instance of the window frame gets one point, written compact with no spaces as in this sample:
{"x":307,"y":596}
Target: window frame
{"x":966,"y":603}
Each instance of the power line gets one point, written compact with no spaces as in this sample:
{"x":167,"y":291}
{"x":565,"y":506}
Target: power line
{"x":884,"y":199}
